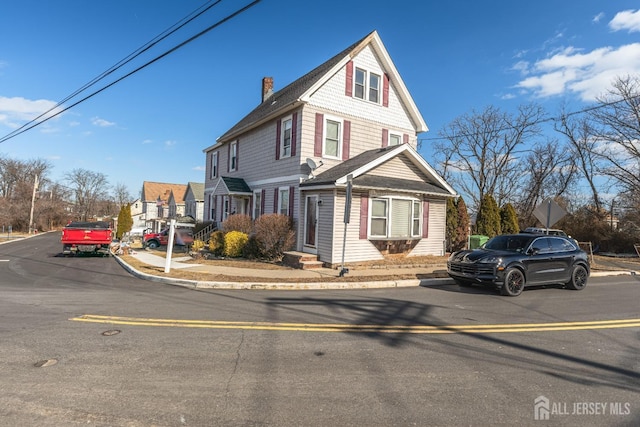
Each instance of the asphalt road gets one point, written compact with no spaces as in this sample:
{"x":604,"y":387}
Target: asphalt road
{"x":84,"y":343}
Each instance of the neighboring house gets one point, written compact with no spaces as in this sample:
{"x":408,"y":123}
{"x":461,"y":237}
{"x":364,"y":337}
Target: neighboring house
{"x":176,"y":203}
{"x":136,"y":214}
{"x":343,"y":135}
{"x":194,"y":201}
{"x":155,"y":202}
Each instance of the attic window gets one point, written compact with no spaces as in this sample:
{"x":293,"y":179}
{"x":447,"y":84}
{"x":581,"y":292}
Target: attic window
{"x":367,"y":85}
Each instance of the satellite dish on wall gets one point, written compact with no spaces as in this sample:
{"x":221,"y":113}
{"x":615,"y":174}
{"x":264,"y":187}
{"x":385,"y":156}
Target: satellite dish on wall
{"x":312,"y":165}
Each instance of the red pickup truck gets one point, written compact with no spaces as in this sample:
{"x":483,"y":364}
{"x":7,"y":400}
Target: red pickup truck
{"x":87,"y":237}
{"x":183,"y":237}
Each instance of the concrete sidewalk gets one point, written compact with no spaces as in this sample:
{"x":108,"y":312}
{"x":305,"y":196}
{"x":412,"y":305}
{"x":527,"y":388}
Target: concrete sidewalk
{"x":309,"y":279}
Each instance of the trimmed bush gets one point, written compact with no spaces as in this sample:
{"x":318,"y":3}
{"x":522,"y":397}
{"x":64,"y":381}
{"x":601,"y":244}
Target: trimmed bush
{"x":234,"y":243}
{"x":197,"y":245}
{"x":238,"y":222}
{"x":274,"y":235}
{"x":216,"y":243}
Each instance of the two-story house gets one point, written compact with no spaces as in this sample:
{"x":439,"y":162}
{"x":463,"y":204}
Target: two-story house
{"x":194,"y":201}
{"x":337,"y":151}
{"x":158,"y":204}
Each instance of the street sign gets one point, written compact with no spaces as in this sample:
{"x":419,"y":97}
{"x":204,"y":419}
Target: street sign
{"x":549,"y":212}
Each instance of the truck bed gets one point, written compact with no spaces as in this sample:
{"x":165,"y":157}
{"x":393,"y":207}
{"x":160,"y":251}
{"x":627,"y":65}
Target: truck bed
{"x":87,"y":237}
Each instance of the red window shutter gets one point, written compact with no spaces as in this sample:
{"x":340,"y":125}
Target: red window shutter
{"x":405,"y":138}
{"x":385,"y":137}
{"x":364,"y":215}
{"x":385,"y":90}
{"x":346,"y":139}
{"x":425,"y":219}
{"x":229,"y":158}
{"x":215,"y":208}
{"x":263,"y":193}
{"x":294,"y":133}
{"x":278,"y":130}
{"x":317,"y":147}
{"x":275,"y":200}
{"x":238,"y":155}
{"x":349,"y":85}
{"x":292,"y":190}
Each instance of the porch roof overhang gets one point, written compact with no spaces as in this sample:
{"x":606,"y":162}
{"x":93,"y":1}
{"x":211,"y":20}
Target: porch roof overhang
{"x":359,"y":169}
{"x":236,"y":186}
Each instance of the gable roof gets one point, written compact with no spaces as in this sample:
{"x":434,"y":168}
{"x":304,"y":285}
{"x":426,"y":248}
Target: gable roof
{"x":197,"y":189}
{"x":236,"y":185}
{"x":151,"y":191}
{"x":301,"y":89}
{"x":359,"y":165}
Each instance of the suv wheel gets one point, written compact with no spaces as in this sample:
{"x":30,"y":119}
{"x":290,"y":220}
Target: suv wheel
{"x":513,"y":282}
{"x":578,"y":278}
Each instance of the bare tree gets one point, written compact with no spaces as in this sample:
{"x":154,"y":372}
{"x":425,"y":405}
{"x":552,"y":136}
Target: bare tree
{"x":121,"y":195}
{"x":549,"y":171}
{"x":88,"y":188}
{"x":17,"y":181}
{"x":579,"y":134}
{"x":616,"y":128}
{"x":481,"y":150}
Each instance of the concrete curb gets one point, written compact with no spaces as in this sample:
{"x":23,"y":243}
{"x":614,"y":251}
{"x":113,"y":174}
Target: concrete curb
{"x":197,"y":284}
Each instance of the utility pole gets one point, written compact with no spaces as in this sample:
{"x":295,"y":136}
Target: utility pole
{"x":33,"y":202}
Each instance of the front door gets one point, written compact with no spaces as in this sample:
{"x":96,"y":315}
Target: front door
{"x":311,"y":224}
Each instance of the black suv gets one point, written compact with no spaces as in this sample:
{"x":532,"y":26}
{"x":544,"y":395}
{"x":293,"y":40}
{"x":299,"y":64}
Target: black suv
{"x":512,"y":261}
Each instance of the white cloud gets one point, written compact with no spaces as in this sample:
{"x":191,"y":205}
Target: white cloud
{"x":598,"y":17}
{"x":96,"y":121}
{"x":147,"y":141}
{"x":626,"y":20}
{"x":199,"y":168}
{"x":16,"y":111}
{"x":522,"y":67}
{"x":587,"y":74}
{"x":170,"y":143}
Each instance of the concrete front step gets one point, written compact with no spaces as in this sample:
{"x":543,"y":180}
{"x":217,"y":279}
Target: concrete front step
{"x":301,"y":260}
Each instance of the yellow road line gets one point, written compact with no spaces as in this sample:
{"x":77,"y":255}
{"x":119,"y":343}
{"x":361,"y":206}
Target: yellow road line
{"x":338,"y":327}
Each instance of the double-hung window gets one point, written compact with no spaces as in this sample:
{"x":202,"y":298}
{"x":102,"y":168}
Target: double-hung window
{"x":283,"y":201}
{"x":395,"y":139}
{"x":332,"y":146}
{"x":233,"y":156}
{"x":285,"y":138}
{"x":395,"y":218}
{"x":367,"y":85}
{"x":257,"y":203}
{"x":214,"y":165}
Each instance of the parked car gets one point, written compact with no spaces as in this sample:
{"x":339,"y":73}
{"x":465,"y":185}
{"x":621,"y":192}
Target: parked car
{"x":510,"y":262}
{"x":550,"y":231}
{"x":183,"y":237}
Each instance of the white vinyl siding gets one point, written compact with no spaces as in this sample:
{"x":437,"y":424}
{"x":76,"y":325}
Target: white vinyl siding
{"x":434,"y":244}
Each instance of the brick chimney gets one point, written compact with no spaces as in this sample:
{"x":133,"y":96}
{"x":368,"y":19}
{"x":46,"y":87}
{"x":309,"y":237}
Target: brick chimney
{"x":267,"y":87}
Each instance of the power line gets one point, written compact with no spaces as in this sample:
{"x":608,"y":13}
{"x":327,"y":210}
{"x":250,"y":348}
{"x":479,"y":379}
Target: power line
{"x":166,"y":33}
{"x":542,"y":120}
{"x":33,"y":123}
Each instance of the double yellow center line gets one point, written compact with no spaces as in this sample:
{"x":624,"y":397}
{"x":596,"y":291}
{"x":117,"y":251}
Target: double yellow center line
{"x":338,"y":327}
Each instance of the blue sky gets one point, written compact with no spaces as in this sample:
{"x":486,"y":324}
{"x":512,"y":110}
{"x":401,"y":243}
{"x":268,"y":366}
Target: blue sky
{"x":453,"y":56}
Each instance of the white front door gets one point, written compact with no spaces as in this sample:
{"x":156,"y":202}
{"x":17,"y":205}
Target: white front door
{"x":311,"y":224}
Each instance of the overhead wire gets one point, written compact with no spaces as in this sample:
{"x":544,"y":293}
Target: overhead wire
{"x":542,"y":120}
{"x":36,"y":122}
{"x":154,"y":41}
